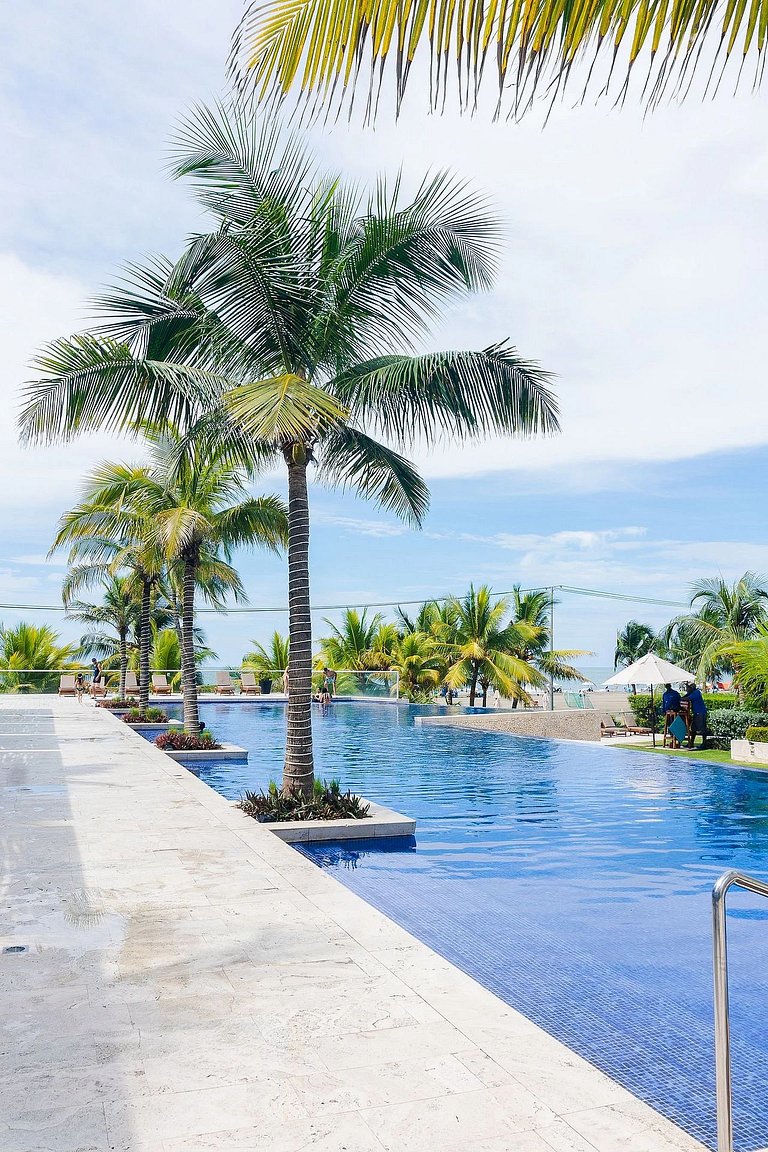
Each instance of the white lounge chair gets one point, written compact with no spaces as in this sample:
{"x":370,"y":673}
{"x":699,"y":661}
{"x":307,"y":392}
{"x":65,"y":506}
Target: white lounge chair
{"x":67,"y":685}
{"x":131,"y":683}
{"x":248,"y":685}
{"x":160,"y":685}
{"x":224,"y":685}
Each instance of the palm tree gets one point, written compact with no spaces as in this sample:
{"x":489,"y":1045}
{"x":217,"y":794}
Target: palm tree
{"x":726,"y":614}
{"x":273,"y":658}
{"x":634,"y":641}
{"x":166,"y":651}
{"x":305,"y":297}
{"x":29,"y":648}
{"x":533,"y":607}
{"x":484,"y":648}
{"x":197,"y":510}
{"x":355,"y":643}
{"x":420,"y":664}
{"x":749,"y":659}
{"x":118,"y":611}
{"x":334,"y":52}
{"x":99,"y":547}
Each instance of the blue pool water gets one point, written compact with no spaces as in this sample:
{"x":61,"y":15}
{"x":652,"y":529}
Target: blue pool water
{"x":573,"y":881}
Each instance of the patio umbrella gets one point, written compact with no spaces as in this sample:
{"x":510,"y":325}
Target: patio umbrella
{"x":651,"y":670}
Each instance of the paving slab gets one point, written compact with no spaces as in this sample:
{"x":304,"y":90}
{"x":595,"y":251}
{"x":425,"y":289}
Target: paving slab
{"x":190,"y":983}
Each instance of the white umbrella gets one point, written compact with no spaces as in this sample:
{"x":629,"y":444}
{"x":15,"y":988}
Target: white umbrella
{"x":651,"y":669}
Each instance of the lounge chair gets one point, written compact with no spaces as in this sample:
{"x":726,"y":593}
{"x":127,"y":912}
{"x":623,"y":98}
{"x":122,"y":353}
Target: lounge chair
{"x":160,"y":685}
{"x":224,"y":685}
{"x":67,"y":686}
{"x":248,"y":685}
{"x":131,"y":684}
{"x":613,"y":727}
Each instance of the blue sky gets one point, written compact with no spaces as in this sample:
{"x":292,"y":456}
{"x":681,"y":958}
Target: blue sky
{"x":633,"y":269}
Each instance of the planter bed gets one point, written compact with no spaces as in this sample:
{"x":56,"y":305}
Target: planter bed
{"x":226,"y":752}
{"x":381,"y":822}
{"x":148,"y":725}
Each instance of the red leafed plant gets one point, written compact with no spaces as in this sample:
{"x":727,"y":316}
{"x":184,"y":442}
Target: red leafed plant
{"x":184,"y":742}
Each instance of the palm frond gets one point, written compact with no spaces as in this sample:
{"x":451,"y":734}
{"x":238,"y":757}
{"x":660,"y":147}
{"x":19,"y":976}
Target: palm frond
{"x":457,"y":394}
{"x":92,"y":382}
{"x":349,"y":458}
{"x":330,"y":53}
{"x":283,"y":409}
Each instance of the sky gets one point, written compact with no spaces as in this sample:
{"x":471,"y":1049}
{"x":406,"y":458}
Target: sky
{"x":633,"y":269}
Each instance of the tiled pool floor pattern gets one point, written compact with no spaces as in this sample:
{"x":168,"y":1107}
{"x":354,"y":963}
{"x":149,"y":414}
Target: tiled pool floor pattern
{"x":572,"y":881}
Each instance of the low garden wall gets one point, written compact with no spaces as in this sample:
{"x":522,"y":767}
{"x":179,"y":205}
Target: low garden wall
{"x":581,"y":724}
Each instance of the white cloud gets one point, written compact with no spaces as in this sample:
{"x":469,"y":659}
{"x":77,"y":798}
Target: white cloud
{"x":360,"y":526}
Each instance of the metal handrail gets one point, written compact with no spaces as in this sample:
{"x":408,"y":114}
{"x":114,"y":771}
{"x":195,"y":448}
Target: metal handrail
{"x":730,"y":879}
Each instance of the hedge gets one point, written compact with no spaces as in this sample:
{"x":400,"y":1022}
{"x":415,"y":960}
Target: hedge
{"x":641,"y":704}
{"x":733,"y":724}
{"x":757,"y":735}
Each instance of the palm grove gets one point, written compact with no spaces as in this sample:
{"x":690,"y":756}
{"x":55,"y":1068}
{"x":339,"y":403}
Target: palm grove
{"x":285,"y":335}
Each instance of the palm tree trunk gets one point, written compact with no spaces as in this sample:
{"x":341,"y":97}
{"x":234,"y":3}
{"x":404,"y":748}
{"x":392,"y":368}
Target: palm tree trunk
{"x":299,"y":772}
{"x":485,"y":695}
{"x":144,"y":642}
{"x":188,"y":670}
{"x":473,"y":684}
{"x":123,"y":633}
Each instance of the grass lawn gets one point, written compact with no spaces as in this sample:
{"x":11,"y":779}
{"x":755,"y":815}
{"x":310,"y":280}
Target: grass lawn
{"x":710,"y":755}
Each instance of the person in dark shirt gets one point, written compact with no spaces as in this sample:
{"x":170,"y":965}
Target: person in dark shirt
{"x":698,"y":725}
{"x":670,"y":701}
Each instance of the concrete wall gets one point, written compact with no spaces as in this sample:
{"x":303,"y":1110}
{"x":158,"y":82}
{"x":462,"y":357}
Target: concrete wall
{"x":745,"y":751}
{"x":574,"y":725}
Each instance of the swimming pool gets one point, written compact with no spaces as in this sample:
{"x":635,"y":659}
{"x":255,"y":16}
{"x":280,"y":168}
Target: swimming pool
{"x":572,"y":881}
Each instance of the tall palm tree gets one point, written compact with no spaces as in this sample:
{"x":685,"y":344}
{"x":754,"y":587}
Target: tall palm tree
{"x":27,"y":648}
{"x":117,"y":611}
{"x":100,"y":548}
{"x":485,"y":645}
{"x":309,"y":297}
{"x":749,"y":659}
{"x":334,"y":52}
{"x":533,"y":607}
{"x":725,"y":614}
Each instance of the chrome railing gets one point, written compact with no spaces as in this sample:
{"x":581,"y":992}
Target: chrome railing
{"x":730,"y":879}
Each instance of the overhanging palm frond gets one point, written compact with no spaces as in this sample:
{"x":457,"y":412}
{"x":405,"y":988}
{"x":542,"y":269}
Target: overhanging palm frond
{"x":283,"y":409}
{"x":330,"y":51}
{"x":262,"y":518}
{"x":352,"y":459}
{"x":91,"y":382}
{"x":457,"y":394}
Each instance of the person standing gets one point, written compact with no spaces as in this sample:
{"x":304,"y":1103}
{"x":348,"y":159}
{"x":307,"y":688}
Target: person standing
{"x":698,"y":726}
{"x":95,"y":678}
{"x":670,"y":710}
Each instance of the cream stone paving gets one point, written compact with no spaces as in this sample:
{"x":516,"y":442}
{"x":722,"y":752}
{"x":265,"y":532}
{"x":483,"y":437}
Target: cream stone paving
{"x":192,"y":984}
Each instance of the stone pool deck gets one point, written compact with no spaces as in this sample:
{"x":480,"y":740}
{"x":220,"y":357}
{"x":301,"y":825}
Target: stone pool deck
{"x":192,"y":984}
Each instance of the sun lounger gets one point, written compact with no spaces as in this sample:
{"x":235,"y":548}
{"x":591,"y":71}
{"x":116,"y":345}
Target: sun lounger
{"x":248,"y":685}
{"x":224,"y":685}
{"x":131,"y":683}
{"x":637,"y":730}
{"x":160,"y":685}
{"x":610,"y":726}
{"x":67,"y":686}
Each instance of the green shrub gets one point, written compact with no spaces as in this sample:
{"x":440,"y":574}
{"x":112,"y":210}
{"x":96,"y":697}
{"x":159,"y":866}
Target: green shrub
{"x":175,"y":741}
{"x":327,"y":802}
{"x":732,"y":723}
{"x":117,"y":702}
{"x":150,"y":716}
{"x":757,"y":734}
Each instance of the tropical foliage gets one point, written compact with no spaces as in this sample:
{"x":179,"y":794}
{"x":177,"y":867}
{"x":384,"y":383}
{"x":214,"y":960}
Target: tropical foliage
{"x":287,"y":334}
{"x":724,"y":617}
{"x":338,"y":53}
{"x":270,"y":659}
{"x":27,"y":651}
